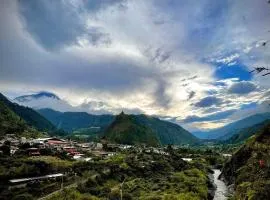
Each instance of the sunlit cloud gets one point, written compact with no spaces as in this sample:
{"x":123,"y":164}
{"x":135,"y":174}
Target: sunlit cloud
{"x":176,"y":59}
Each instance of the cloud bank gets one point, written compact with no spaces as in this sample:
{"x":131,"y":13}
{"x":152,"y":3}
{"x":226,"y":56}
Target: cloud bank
{"x":166,"y":58}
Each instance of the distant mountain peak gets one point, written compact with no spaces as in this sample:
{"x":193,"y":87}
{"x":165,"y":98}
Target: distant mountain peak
{"x":38,"y":95}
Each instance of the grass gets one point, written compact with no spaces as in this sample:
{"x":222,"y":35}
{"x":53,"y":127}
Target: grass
{"x":54,"y":161}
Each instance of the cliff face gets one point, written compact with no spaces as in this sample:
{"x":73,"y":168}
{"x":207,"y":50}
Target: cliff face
{"x":249,"y":168}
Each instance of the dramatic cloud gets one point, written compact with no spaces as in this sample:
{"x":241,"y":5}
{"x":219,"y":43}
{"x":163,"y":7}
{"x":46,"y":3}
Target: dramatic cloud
{"x":61,"y":23}
{"x":212,"y":117}
{"x":209,"y":101}
{"x":242,"y":87}
{"x":191,"y":95}
{"x":179,"y":59}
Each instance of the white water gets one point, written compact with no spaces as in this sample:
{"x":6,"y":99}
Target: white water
{"x":222,"y":189}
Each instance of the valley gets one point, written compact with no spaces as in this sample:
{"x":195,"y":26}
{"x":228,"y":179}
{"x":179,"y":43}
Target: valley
{"x":82,"y":156}
{"x":134,"y":100}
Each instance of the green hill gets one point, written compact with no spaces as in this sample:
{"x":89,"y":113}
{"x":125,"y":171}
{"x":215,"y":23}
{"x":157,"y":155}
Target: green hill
{"x":72,"y":121}
{"x":132,"y":129}
{"x":233,"y":128}
{"x":126,"y":130}
{"x":11,"y":123}
{"x":167,"y":132}
{"x":249,"y":168}
{"x":30,"y":116}
{"x":85,"y":123}
{"x":243,"y":134}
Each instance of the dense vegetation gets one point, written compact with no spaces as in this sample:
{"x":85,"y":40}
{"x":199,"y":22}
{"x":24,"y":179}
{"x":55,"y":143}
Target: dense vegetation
{"x":126,"y":130}
{"x":141,"y":176}
{"x":10,"y":123}
{"x":167,"y":132}
{"x":243,"y":134}
{"x":72,"y":121}
{"x":80,"y":123}
{"x":23,"y":167}
{"x":30,"y":116}
{"x":140,"y":173}
{"x":134,"y":129}
{"x":229,"y":130}
{"x":249,"y":168}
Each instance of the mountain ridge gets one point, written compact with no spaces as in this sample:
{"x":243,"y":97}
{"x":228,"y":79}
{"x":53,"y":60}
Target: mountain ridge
{"x":125,"y":129}
{"x":167,"y":132}
{"x":29,"y":115}
{"x":248,"y":168}
{"x":70,"y":121}
{"x":233,"y":127}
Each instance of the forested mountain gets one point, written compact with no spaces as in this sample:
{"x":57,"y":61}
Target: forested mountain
{"x":30,"y":116}
{"x":11,"y":123}
{"x":71,"y":121}
{"x":130,"y":129}
{"x":125,"y":129}
{"x":248,"y":169}
{"x":229,"y":130}
{"x":245,"y":133}
{"x":43,"y":99}
{"x":167,"y":132}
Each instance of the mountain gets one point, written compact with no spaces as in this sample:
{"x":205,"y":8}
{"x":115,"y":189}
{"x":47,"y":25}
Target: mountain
{"x":248,"y":168}
{"x":243,"y":134}
{"x":233,"y":128}
{"x":44,"y":100}
{"x":167,"y":132}
{"x":125,"y":129}
{"x":30,"y":116}
{"x":11,"y":123}
{"x":130,"y":129}
{"x":71,"y":121}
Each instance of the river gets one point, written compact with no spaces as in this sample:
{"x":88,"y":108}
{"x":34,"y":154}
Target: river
{"x":222,"y":190}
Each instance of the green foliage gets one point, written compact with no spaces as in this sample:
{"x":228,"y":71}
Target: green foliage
{"x":167,"y":132}
{"x":23,"y":197}
{"x":31,"y":117}
{"x":10,"y":123}
{"x":244,"y":169}
{"x":243,"y":134}
{"x":125,"y":130}
{"x":80,"y":123}
{"x":72,"y":194}
{"x":147,"y":176}
{"x":72,"y":121}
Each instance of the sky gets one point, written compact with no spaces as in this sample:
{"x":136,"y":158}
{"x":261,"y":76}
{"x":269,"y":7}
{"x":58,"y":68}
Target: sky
{"x":183,"y":61}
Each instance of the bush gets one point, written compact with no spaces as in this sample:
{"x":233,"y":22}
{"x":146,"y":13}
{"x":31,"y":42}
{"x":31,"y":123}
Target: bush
{"x":25,"y":196}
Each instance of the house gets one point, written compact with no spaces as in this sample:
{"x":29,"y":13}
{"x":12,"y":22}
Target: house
{"x":33,"y":151}
{"x":103,"y":154}
{"x":56,"y":143}
{"x":98,"y":146}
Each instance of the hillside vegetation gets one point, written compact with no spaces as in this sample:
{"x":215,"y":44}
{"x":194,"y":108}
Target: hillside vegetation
{"x":243,"y":134}
{"x":11,"y":123}
{"x":85,"y":124}
{"x":126,"y":130}
{"x":30,"y":116}
{"x":231,"y":129}
{"x":72,"y":121}
{"x":167,"y":132}
{"x":249,"y":168}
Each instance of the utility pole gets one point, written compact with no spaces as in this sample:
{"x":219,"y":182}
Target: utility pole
{"x":62,"y":183}
{"x":121,"y":189}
